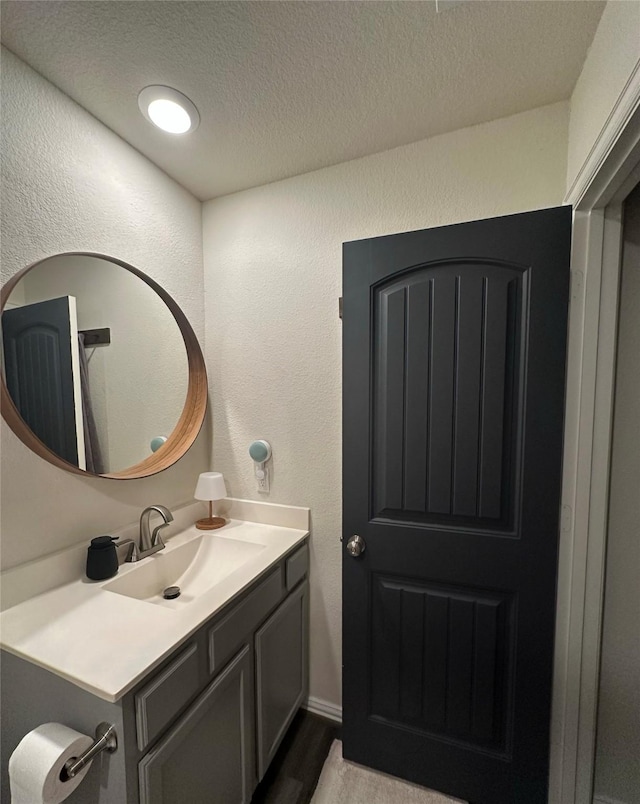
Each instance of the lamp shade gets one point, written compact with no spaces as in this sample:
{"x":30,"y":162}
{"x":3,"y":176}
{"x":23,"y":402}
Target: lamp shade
{"x":210,"y":486}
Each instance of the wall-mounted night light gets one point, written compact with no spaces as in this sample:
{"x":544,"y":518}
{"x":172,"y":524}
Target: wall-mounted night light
{"x":260,"y":452}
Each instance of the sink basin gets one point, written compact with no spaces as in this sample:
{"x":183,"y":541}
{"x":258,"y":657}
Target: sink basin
{"x":196,"y":567}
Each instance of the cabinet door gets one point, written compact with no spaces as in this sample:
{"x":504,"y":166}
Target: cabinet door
{"x":282,"y":672}
{"x":208,"y":756}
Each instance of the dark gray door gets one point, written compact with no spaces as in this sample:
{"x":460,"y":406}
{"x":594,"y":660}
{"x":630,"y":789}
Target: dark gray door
{"x":39,"y":372}
{"x":454,"y":362}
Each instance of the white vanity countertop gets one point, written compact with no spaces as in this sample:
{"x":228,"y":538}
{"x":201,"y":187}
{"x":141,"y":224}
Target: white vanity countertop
{"x":106,"y":642}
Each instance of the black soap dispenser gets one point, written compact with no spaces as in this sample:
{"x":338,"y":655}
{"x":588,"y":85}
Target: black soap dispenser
{"x":102,"y":558}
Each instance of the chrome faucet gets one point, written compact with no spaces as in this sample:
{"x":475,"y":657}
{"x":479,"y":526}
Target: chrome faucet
{"x":150,"y":543}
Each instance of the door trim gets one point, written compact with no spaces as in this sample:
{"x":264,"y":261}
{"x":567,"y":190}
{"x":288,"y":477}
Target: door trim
{"x":604,"y":160}
{"x":609,"y":173}
{"x":77,"y":387}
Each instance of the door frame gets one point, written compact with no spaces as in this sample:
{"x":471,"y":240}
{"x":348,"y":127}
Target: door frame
{"x":610,"y":171}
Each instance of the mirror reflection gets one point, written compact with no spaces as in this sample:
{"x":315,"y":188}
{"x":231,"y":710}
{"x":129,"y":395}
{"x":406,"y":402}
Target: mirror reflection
{"x":94,"y":361}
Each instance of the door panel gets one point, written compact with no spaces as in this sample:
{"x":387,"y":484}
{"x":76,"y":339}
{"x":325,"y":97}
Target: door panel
{"x":454,"y":353}
{"x":446,"y":363}
{"x":441,"y":660}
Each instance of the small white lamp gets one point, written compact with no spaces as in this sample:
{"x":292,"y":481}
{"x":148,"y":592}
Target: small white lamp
{"x":210,"y":487}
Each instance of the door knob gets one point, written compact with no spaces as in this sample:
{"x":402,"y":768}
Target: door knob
{"x":356,"y":546}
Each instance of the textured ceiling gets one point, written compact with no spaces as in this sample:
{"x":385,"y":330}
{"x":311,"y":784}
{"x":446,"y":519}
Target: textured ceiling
{"x":288,"y":87}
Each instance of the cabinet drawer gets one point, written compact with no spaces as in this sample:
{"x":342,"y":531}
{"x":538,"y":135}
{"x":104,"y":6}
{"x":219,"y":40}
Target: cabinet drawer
{"x":226,"y":636}
{"x":297,"y":567}
{"x":159,"y":701}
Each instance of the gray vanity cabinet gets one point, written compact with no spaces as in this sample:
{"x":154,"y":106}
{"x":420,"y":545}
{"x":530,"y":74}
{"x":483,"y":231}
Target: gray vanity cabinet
{"x":202,"y":727}
{"x":208,"y":755}
{"x":281,"y":672}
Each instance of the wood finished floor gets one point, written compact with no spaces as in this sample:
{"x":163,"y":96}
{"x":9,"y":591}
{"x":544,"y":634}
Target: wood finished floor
{"x":293,"y":775}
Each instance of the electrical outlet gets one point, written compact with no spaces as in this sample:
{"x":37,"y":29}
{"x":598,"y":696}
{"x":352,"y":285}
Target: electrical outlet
{"x":262,"y":476}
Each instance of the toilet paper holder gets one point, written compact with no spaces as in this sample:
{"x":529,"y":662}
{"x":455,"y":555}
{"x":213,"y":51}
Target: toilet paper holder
{"x":106,"y":740}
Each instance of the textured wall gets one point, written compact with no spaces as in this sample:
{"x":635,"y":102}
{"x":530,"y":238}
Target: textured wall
{"x":272,"y":282}
{"x":612,"y":58}
{"x":68,"y":183}
{"x":617,"y":775}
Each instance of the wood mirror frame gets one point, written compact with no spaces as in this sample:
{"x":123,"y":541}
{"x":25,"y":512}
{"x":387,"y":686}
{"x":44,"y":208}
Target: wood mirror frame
{"x":191,"y":419}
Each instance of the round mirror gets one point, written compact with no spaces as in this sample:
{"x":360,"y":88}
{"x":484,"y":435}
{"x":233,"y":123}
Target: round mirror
{"x":101,"y":371}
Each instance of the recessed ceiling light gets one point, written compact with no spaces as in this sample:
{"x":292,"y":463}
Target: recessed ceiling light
{"x":168,"y":109}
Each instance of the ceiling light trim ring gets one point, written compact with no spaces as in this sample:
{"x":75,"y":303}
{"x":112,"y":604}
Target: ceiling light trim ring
{"x":158,"y":92}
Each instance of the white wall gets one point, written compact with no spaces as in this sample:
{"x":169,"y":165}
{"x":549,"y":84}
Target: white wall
{"x":272,"y":281}
{"x":613,"y":58}
{"x":69,"y":183}
{"x":617,"y":776}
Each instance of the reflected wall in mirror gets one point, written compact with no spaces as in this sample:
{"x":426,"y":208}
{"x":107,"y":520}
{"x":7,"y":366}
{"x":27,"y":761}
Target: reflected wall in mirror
{"x":98,"y":361}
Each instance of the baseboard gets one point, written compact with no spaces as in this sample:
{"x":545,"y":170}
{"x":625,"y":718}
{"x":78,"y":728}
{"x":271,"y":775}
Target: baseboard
{"x":607,"y":800}
{"x":323,"y":708}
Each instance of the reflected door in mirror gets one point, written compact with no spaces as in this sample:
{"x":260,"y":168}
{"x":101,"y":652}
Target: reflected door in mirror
{"x":41,"y":358}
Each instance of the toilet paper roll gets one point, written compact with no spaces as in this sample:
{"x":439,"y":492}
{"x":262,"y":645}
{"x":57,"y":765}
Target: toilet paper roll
{"x":35,"y":765}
